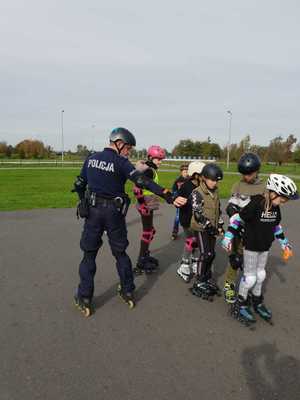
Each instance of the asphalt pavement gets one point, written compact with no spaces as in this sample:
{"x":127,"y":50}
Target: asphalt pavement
{"x":171,"y":346}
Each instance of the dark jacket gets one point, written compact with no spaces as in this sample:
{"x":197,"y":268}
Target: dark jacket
{"x":260,"y":225}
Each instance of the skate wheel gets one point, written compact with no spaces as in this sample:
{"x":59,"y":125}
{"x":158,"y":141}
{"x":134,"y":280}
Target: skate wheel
{"x":230,"y":302}
{"x":86,"y":312}
{"x":137,"y":271}
{"x":186,"y":280}
{"x":150,"y":271}
{"x":131,"y":304}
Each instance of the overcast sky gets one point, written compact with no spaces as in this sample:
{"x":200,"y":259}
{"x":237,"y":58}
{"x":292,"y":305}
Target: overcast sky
{"x":164,"y":69}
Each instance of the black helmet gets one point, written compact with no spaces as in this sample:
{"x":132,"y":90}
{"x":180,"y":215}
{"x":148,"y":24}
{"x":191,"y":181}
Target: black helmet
{"x":122,"y":134}
{"x":248,"y":163}
{"x":212,"y":171}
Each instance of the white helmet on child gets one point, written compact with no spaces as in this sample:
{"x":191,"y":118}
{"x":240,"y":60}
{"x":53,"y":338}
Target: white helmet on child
{"x":283,"y":186}
{"x":195,"y":167}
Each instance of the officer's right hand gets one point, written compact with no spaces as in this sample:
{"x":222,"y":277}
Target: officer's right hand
{"x":167,"y":195}
{"x":141,"y":166}
{"x":180,"y":201}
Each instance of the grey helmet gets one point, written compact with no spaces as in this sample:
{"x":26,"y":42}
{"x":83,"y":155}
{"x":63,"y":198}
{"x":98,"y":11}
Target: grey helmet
{"x":124,"y":135}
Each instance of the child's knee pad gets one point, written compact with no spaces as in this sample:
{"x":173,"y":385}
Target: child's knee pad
{"x":190,"y":244}
{"x":148,"y":235}
{"x":261,"y":275}
{"x":249,"y":281}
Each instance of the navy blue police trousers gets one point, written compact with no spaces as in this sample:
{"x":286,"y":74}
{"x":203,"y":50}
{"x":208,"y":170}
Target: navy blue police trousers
{"x":104,"y":217}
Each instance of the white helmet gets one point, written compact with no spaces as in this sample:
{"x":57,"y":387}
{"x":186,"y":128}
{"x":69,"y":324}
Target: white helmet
{"x":283,"y":186}
{"x":195,"y":167}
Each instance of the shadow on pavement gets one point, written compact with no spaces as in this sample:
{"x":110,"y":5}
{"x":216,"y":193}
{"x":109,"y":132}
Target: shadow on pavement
{"x":271,"y":375}
{"x":167,"y":256}
{"x":276,"y":266}
{"x":221,"y":262}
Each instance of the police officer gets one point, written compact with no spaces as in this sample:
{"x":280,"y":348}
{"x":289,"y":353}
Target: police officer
{"x":103,"y":204}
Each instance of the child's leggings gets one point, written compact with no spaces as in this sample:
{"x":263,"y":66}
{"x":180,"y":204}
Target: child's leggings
{"x":254,"y":273}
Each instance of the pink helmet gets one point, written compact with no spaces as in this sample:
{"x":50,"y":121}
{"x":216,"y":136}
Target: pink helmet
{"x":156,"y":152}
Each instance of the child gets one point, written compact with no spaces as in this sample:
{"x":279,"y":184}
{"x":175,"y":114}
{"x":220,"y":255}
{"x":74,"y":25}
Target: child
{"x":175,"y":189}
{"x":147,"y":202}
{"x":188,"y":264}
{"x":207,"y":224}
{"x":260,"y":220}
{"x":249,"y":185}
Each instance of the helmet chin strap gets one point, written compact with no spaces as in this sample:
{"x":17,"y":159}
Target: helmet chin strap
{"x":211,"y":190}
{"x":275,"y":195}
{"x":121,"y":147}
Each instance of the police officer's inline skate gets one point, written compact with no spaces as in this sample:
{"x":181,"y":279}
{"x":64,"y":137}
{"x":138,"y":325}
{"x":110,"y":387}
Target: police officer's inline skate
{"x":203,"y":289}
{"x":84,"y":304}
{"x":126,"y":297}
{"x":174,"y":235}
{"x":241,"y":311}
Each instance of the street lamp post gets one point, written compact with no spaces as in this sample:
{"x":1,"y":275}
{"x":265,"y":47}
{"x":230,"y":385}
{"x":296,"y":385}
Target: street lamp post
{"x":229,"y":138}
{"x":93,"y":138}
{"x":62,"y":136}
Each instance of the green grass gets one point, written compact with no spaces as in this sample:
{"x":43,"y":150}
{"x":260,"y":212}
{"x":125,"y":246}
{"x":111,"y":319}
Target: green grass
{"x":22,"y":189}
{"x":286,"y":169}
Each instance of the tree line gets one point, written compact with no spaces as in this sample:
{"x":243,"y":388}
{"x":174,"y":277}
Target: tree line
{"x":280,"y":150}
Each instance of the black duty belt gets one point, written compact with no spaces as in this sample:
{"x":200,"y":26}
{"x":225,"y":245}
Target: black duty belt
{"x":105,"y":201}
{"x":121,"y":203}
{"x":118,"y":200}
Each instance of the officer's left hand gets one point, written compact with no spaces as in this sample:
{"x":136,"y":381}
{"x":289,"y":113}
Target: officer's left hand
{"x":180,"y":201}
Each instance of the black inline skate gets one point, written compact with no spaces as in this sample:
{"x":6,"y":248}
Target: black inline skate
{"x":203,"y":289}
{"x":126,"y":297}
{"x":214,"y":287}
{"x":144,"y":265}
{"x":152,"y":259}
{"x":84,"y":304}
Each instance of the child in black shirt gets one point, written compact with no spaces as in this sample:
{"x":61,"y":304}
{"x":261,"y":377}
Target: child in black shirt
{"x":260,"y":220}
{"x":188,"y":263}
{"x":175,"y":189}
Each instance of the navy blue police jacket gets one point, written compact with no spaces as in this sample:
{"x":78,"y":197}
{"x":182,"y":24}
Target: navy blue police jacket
{"x":106,"y":173}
